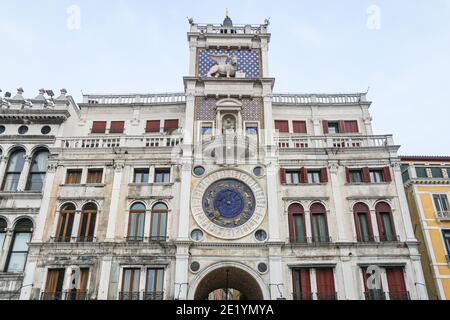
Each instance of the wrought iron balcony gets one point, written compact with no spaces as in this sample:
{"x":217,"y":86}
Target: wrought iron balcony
{"x":388,"y":238}
{"x":52,"y":295}
{"x":443,"y":215}
{"x":94,"y":142}
{"x":65,"y":295}
{"x":326,"y":295}
{"x":310,"y":240}
{"x":399,"y":295}
{"x":146,"y":239}
{"x":375,"y":295}
{"x":138,"y":295}
{"x":302,"y":296}
{"x":66,"y":239}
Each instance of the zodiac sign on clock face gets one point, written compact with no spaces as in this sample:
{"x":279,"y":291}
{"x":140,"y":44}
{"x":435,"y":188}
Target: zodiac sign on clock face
{"x":229,"y":203}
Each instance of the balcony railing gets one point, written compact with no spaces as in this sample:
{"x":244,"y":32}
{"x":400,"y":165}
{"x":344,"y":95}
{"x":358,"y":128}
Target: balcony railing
{"x":400,"y":295}
{"x":311,"y":240}
{"x":65,"y":295}
{"x":95,"y":142}
{"x":388,"y":238}
{"x":443,"y":215}
{"x":52,"y":295}
{"x":375,"y":295}
{"x":311,"y":98}
{"x":136,"y":295}
{"x":326,"y":296}
{"x":158,"y":98}
{"x":146,"y":239}
{"x":86,"y":239}
{"x":333,"y":141}
{"x":315,"y":296}
{"x":302,"y":296}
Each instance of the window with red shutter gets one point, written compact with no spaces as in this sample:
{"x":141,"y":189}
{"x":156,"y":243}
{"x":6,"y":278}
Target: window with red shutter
{"x":323,"y":175}
{"x":303,"y":175}
{"x":396,"y":284}
{"x":117,"y":126}
{"x":341,"y":125}
{"x":374,"y":293}
{"x":98,"y":127}
{"x":366,"y":175}
{"x":170,"y":125}
{"x":325,"y":126}
{"x":283,"y":176}
{"x":152,"y":126}
{"x":387,"y":174}
{"x":363,"y":223}
{"x":351,"y":126}
{"x":299,"y":126}
{"x":325,"y":284}
{"x":282,"y":126}
{"x":301,"y":284}
{"x":347,"y":174}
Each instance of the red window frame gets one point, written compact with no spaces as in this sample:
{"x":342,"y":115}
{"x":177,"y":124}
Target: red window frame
{"x":98,"y":127}
{"x":362,"y":208}
{"x":299,"y":126}
{"x":383,"y":207}
{"x":153,"y":126}
{"x":294,"y":210}
{"x":117,"y":127}
{"x":282,"y":126}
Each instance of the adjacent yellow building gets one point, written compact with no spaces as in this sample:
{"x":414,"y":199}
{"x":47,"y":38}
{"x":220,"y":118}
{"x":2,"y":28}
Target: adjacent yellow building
{"x":427,"y":184}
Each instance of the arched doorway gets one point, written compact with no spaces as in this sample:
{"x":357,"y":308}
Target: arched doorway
{"x":241,"y":281}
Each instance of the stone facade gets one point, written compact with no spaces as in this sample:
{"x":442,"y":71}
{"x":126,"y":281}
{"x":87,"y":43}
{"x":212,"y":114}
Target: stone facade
{"x":122,"y":213}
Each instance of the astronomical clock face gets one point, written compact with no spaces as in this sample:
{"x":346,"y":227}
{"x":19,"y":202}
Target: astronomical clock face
{"x":228,"y":204}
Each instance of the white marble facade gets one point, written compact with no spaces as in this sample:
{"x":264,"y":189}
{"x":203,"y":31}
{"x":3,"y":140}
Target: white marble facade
{"x":145,"y":183}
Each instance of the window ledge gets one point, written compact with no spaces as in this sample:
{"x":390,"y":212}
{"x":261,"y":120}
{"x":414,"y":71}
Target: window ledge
{"x":366,"y":183}
{"x":20,"y":194}
{"x":93,"y":185}
{"x":150,"y":184}
{"x":305,"y":184}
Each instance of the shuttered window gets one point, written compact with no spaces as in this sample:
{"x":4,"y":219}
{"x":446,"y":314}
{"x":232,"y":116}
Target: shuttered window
{"x":396,"y":284}
{"x":153,"y":126}
{"x":282,"y":126}
{"x":325,"y":284}
{"x":117,"y":127}
{"x":99,"y":127}
{"x":170,"y":125}
{"x":302,"y":284}
{"x":351,"y":126}
{"x":299,"y":126}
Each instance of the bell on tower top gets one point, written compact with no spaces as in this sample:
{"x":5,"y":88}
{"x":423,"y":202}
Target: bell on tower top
{"x":227,"y":22}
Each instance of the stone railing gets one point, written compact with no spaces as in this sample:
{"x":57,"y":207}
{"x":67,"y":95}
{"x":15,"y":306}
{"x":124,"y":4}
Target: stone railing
{"x":159,"y":98}
{"x":334,"y":141}
{"x":344,"y":98}
{"x":443,"y":215}
{"x":95,"y":142}
{"x":235,"y":29}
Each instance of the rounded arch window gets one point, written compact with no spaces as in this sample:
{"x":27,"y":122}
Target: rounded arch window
{"x":39,"y":165}
{"x":87,"y":222}
{"x":158,"y":222}
{"x":363,"y":225}
{"x":3,"y":226}
{"x":297,"y":229}
{"x":136,"y":222}
{"x":65,"y":223}
{"x":319,"y":225}
{"x":13,"y":170}
{"x":386,"y":227}
{"x":18,"y":251}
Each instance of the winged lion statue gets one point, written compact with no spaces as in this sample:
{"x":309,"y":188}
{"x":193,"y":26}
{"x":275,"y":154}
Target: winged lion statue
{"x":226,"y":66}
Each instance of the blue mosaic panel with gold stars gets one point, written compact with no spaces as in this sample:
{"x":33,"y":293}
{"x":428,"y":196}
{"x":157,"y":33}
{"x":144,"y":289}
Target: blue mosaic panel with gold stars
{"x":229,"y":203}
{"x":248,"y":61}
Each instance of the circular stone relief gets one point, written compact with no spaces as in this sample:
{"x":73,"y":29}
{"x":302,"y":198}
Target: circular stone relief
{"x":262,"y":267}
{"x":228,"y":204}
{"x":195,"y":266}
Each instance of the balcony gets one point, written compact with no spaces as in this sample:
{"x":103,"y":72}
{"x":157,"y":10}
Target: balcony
{"x":136,"y":295}
{"x":157,"y":99}
{"x":65,"y":295}
{"x":375,"y":295}
{"x":152,"y":239}
{"x":378,"y":239}
{"x":332,"y":141}
{"x":86,"y":239}
{"x":315,"y":296}
{"x":105,"y":142}
{"x":400,"y":295}
{"x":311,"y":240}
{"x":443,"y":215}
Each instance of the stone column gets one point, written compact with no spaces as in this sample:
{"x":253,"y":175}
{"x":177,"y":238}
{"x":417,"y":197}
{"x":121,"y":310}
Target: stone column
{"x":339,"y":208}
{"x":404,"y":210}
{"x":105,"y":277}
{"x":181,"y":271}
{"x":272,"y":200}
{"x":115,"y":198}
{"x":24,"y":175}
{"x":3,"y":162}
{"x":185,"y":199}
{"x":38,"y":234}
{"x":277,"y":287}
{"x":264,"y":58}
{"x":4,"y":251}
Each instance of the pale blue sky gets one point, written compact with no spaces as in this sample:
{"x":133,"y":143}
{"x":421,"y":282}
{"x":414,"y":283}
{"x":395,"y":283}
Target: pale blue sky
{"x":317,"y":46}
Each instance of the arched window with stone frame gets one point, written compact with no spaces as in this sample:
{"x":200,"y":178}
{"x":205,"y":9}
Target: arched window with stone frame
{"x":38,"y":170}
{"x":18,"y":251}
{"x":158,"y":222}
{"x":14,"y":169}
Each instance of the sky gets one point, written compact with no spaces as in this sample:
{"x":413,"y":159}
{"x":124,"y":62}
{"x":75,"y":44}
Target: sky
{"x":399,"y":50}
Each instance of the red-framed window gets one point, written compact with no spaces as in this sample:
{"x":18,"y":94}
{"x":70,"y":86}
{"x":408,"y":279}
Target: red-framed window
{"x":325,"y":284}
{"x":117,"y":127}
{"x":368,"y":175}
{"x":98,"y":127}
{"x":385,"y":220}
{"x":340,"y":126}
{"x":363,"y":225}
{"x":297,"y":227}
{"x":303,"y":175}
{"x":301,"y":283}
{"x":374,"y":293}
{"x":319,"y":224}
{"x":152,"y":126}
{"x":282,"y":126}
{"x":170,"y":125}
{"x":396,"y":283}
{"x":299,"y":126}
